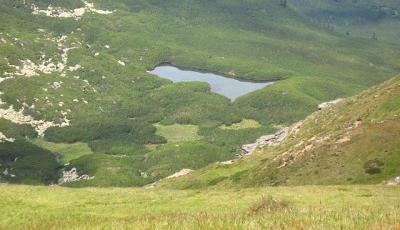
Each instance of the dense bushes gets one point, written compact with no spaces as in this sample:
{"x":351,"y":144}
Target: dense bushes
{"x":22,"y":162}
{"x":171,"y":158}
{"x":10,"y":129}
{"x":109,"y":170}
{"x":137,"y":131}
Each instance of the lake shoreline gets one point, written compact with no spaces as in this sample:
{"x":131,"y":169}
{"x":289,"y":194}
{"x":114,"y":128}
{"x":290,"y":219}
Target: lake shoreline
{"x":229,"y":87}
{"x":202,"y":70}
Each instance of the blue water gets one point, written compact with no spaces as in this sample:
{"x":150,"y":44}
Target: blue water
{"x":229,"y":87}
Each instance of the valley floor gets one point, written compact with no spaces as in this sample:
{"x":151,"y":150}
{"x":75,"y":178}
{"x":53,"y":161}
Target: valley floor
{"x":303,"y":207}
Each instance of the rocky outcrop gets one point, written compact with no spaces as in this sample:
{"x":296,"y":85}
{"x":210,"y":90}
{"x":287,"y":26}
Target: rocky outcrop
{"x":329,"y":103}
{"x":3,"y":138}
{"x":72,"y":176}
{"x":269,"y":140}
{"x":18,"y":117}
{"x":394,"y":181}
{"x":265,"y":141}
{"x":121,"y":62}
{"x":182,"y":172}
{"x":46,"y":65}
{"x":227,"y":162}
{"x":8,"y":174}
{"x":58,"y":12}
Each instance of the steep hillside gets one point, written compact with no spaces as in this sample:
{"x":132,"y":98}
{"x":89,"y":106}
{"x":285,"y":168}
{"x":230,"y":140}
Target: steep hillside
{"x":373,"y":19}
{"x":352,"y":142}
{"x":74,"y":73}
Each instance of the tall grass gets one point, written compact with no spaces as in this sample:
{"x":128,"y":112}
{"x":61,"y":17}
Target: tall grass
{"x":309,"y":207}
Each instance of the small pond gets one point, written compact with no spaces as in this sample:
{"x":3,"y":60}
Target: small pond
{"x":229,"y":87}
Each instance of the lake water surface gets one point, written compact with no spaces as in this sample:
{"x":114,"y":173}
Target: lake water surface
{"x":229,"y":87}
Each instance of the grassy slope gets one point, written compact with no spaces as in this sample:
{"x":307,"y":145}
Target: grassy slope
{"x":357,"y":18}
{"x":355,"y":141}
{"x":178,"y":133}
{"x":66,"y":152}
{"x":311,"y":207}
{"x":257,"y":40}
{"x":243,"y":124}
{"x":330,"y":207}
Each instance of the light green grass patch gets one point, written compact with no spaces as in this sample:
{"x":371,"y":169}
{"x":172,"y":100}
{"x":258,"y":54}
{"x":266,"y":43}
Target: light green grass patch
{"x":68,"y":152}
{"x":177,"y":133}
{"x":244,"y":124}
{"x":300,"y":207}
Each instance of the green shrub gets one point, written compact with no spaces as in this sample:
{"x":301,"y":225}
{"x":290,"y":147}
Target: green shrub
{"x":373,"y":166}
{"x":27,"y":163}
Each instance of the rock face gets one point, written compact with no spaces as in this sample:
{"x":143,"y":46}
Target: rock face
{"x":263,"y":141}
{"x":7,"y":173}
{"x":72,"y":175}
{"x":394,"y":181}
{"x":3,"y":138}
{"x":329,"y":103}
{"x":18,"y":117}
{"x":269,"y":140}
{"x":46,"y":65}
{"x":58,"y":12}
{"x":121,"y":62}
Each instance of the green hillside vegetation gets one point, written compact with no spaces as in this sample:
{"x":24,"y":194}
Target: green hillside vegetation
{"x":243,"y":124}
{"x":355,"y":18}
{"x":113,"y":107}
{"x":78,"y":105}
{"x":353,"y":142}
{"x":177,"y":132}
{"x":16,"y":131}
{"x":66,"y":152}
{"x":310,"y":207}
{"x":22,"y":162}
